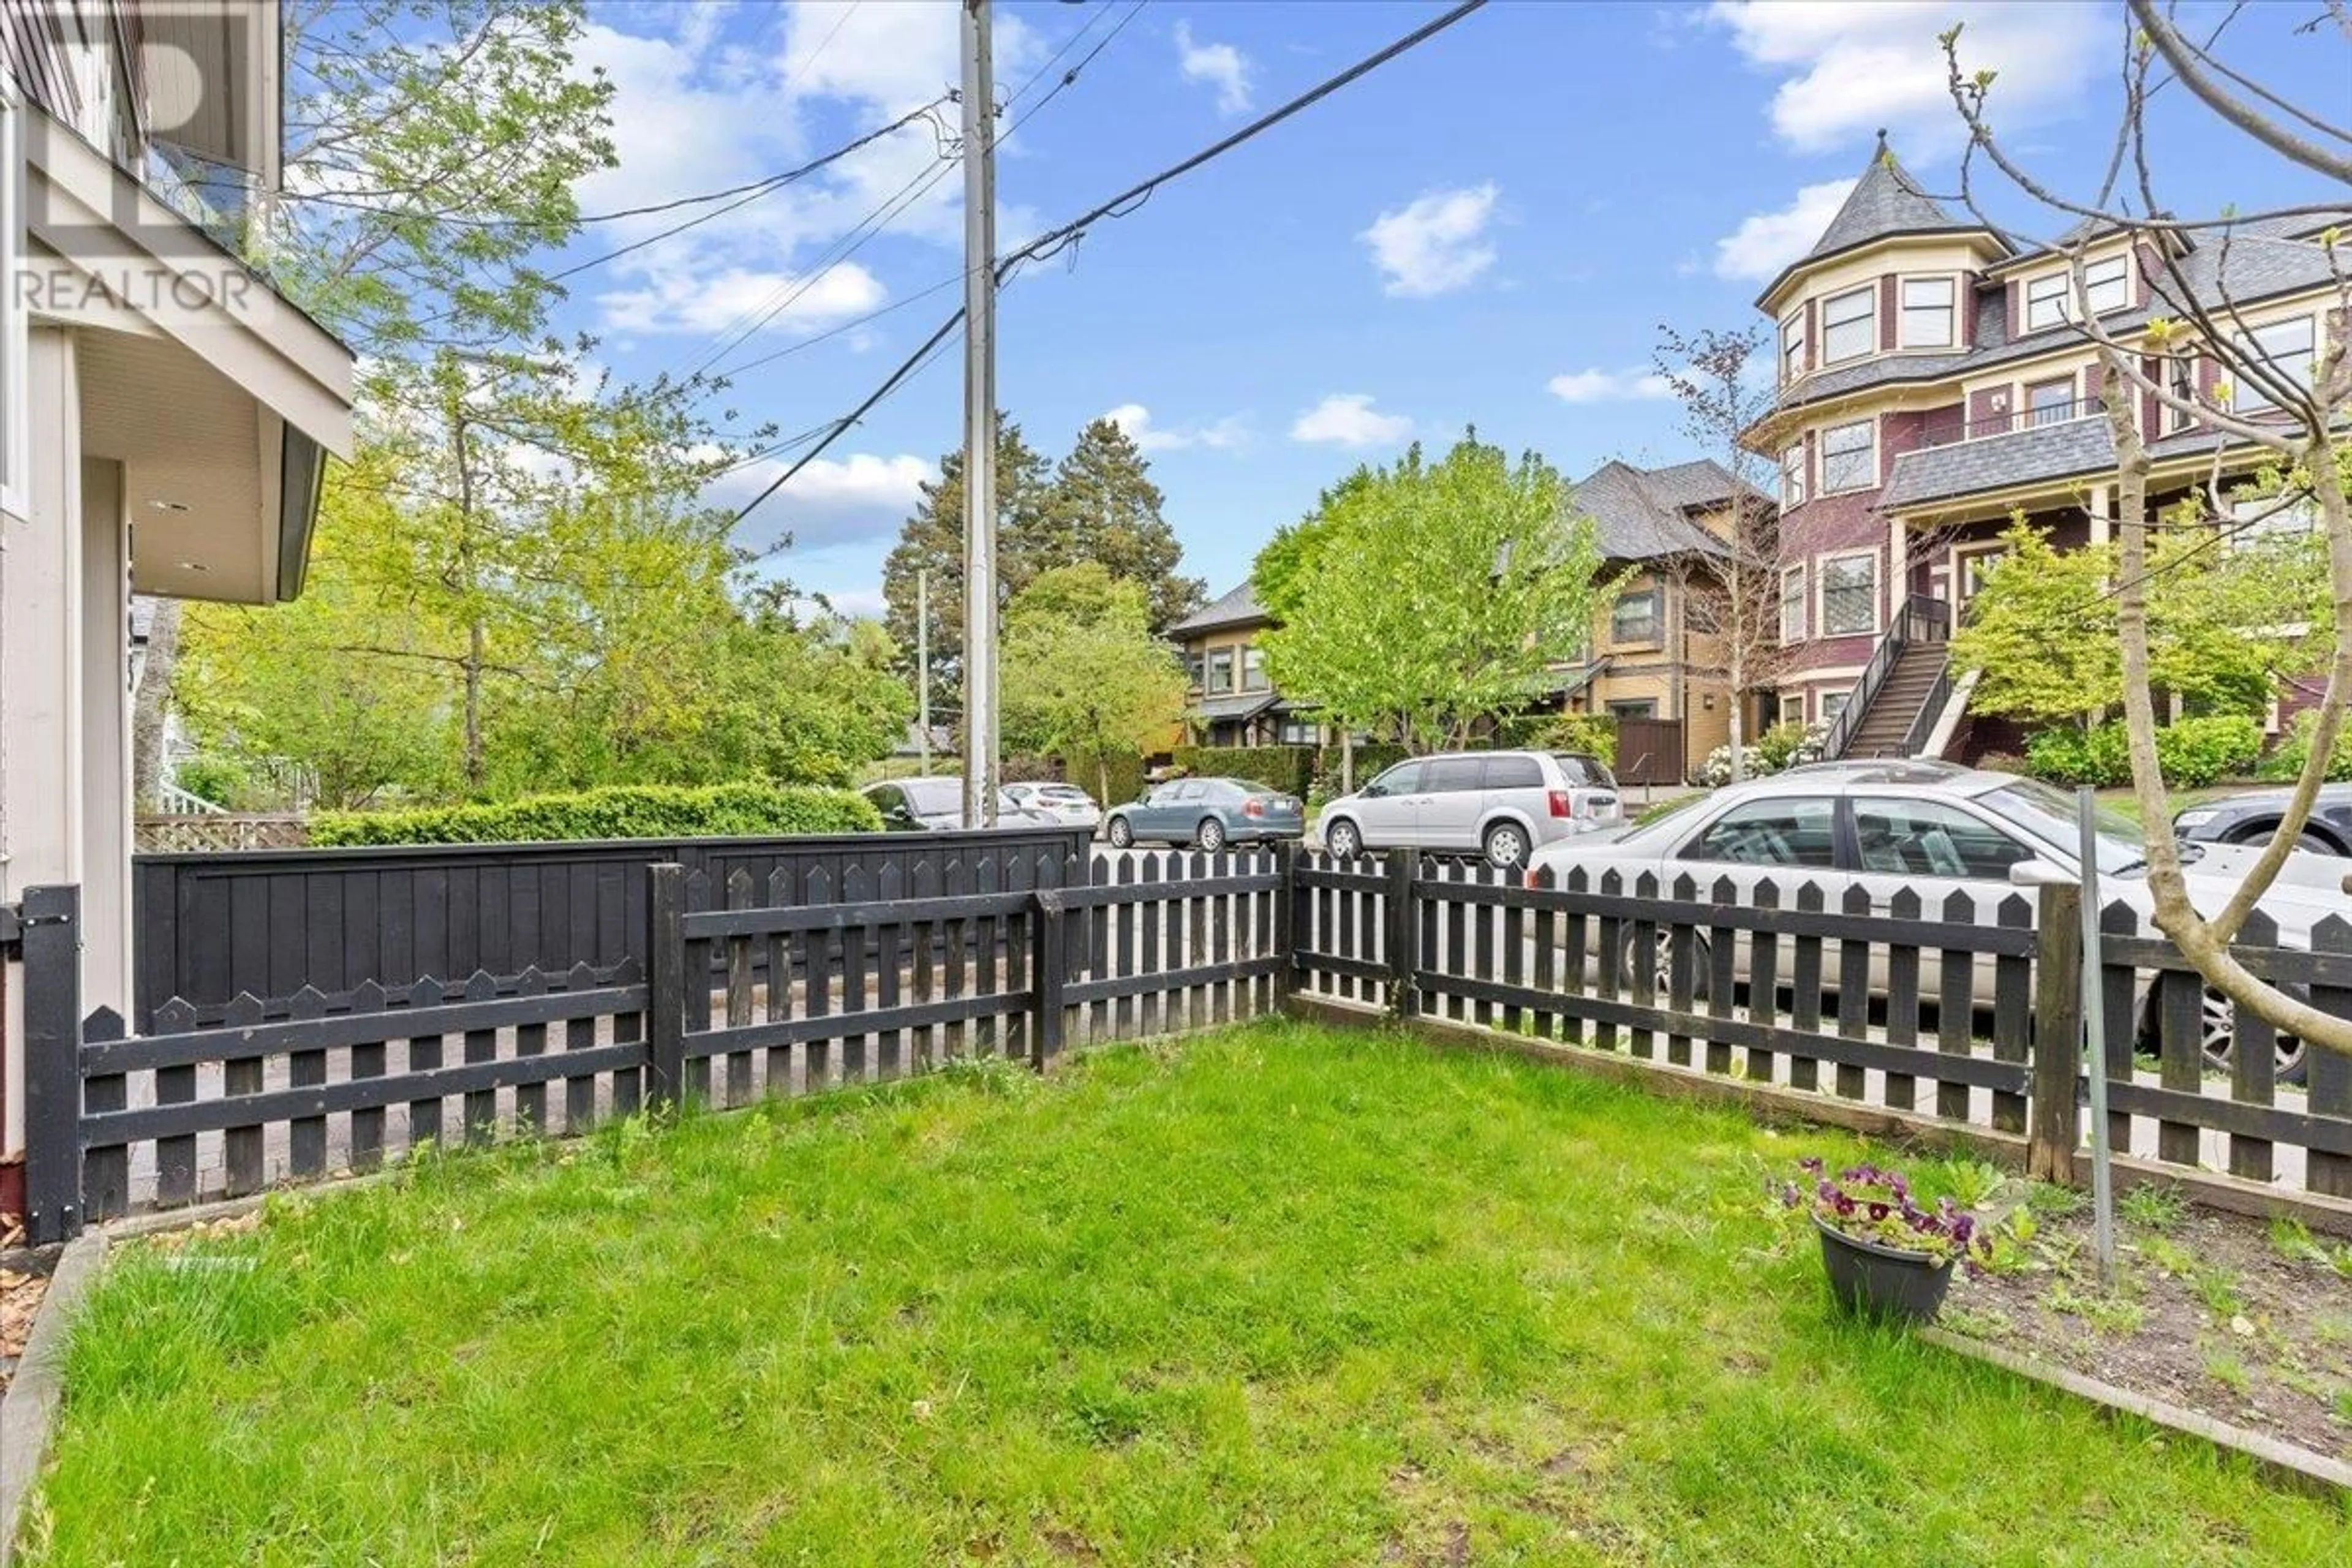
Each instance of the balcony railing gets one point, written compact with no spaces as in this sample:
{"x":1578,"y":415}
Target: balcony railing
{"x":1922,"y":619}
{"x":1948,"y":432}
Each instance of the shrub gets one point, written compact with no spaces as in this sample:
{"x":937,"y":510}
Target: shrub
{"x":220,"y":780}
{"x":1288,"y":768}
{"x":1778,"y":745}
{"x":1594,"y":734}
{"x":1124,"y":771}
{"x":1777,"y":750}
{"x":2285,"y":761}
{"x":2191,"y":752}
{"x":630,"y":811}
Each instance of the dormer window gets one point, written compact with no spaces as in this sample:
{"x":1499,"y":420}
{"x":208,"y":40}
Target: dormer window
{"x":2106,"y":285}
{"x":1847,"y":331}
{"x":2045,"y":302}
{"x":1928,"y":313}
{"x":1792,"y":348}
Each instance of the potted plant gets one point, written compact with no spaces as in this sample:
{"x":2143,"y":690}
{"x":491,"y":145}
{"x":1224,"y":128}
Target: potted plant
{"x":1886,"y":1257}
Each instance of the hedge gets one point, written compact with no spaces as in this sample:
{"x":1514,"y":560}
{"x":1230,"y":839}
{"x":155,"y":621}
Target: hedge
{"x":1288,"y":768}
{"x":630,"y":811}
{"x":1085,"y":770}
{"x":2191,"y":752}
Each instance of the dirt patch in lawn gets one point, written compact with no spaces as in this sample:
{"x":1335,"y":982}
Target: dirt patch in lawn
{"x":24,"y":1280}
{"x":2245,"y":1321}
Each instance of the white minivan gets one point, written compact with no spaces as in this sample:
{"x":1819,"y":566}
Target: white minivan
{"x":1501,"y":804}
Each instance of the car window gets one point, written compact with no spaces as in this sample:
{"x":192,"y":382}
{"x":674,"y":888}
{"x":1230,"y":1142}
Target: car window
{"x":886,"y":798}
{"x":1583,"y":772}
{"x":1403,"y":779}
{"x":1515,"y":773}
{"x":1190,"y":790}
{"x":1929,"y":839}
{"x":931,"y":794}
{"x":1448,"y":775}
{"x":1775,"y":831}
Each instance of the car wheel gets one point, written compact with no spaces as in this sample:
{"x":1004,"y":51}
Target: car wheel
{"x":1661,"y":962}
{"x":1122,"y":837}
{"x":2259,"y":837}
{"x":2216,"y":1026}
{"x":1211,"y":834}
{"x":1507,"y":845}
{"x":1343,"y":841}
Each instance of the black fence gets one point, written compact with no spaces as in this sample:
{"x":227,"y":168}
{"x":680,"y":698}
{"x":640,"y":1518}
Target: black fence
{"x":209,"y":927}
{"x":1961,"y":1016}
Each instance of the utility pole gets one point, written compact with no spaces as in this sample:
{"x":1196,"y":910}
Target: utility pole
{"x":980,"y":759}
{"x":923,"y":665}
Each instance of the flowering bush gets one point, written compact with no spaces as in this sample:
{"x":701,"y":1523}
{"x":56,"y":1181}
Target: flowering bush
{"x":1875,"y":1206}
{"x":1784,"y":745}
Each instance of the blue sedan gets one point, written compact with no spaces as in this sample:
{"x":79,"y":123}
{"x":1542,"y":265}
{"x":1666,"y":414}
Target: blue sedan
{"x":1209,"y":814}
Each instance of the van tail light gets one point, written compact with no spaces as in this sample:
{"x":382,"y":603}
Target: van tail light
{"x":1253,"y":807}
{"x":1557,"y":799}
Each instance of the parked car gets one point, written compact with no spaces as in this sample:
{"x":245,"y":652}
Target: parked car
{"x":1933,"y":829}
{"x":1502,"y":805}
{"x":2254,"y":818}
{"x":1065,"y":804}
{"x":935,"y":805}
{"x":1209,"y":813}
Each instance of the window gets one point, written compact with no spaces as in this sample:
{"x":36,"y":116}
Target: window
{"x":1833,"y":703}
{"x":1846,"y":326}
{"x":2287,"y":350}
{"x":1793,"y":476}
{"x":1849,"y":596}
{"x":1221,"y":670}
{"x":1299,"y":732}
{"x":2181,"y":380}
{"x":1792,"y":608}
{"x":1973,"y":565}
{"x":2284,"y":516}
{"x":2045,"y":302}
{"x":1792,"y":707}
{"x":1848,"y":462}
{"x":16,"y":407}
{"x":1254,"y":670}
{"x":1453,"y":776}
{"x":1927,"y":314}
{"x":1635,"y":616}
{"x":1792,"y":348}
{"x":1927,"y":838}
{"x":1772,"y":832}
{"x":2049,"y":401}
{"x":1403,"y":779}
{"x":1514,"y":773}
{"x":1633,"y":708}
{"x":2106,"y":285}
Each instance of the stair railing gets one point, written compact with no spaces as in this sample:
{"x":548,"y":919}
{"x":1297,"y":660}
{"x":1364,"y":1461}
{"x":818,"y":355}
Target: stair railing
{"x":1922,"y":619}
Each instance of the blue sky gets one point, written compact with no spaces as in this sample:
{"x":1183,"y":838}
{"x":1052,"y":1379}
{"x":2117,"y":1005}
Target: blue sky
{"x":1487,"y":230}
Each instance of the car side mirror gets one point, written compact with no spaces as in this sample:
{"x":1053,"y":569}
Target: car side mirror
{"x":1372,"y":792}
{"x":2041,"y":874}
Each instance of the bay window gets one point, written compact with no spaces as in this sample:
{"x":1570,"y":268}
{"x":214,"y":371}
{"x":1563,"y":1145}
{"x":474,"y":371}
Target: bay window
{"x":2287,"y":350}
{"x":1792,"y":348}
{"x":1849,"y":596}
{"x":1793,"y":476}
{"x":1928,"y":316}
{"x":1847,"y":330}
{"x":1848,"y":462}
{"x":1792,"y":603}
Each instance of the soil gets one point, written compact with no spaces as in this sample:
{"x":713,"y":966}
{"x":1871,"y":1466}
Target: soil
{"x":2235,"y":1318}
{"x":24,"y":1280}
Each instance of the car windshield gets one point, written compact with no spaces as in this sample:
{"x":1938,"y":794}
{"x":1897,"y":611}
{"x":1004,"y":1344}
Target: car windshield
{"x":2048,"y":815}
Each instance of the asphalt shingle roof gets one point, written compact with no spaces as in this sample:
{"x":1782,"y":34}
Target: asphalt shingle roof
{"x":1639,"y":512}
{"x":1884,"y":201}
{"x":1238,"y":608}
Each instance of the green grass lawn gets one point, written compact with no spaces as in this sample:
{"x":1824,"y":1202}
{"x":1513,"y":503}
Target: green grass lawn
{"x":1279,"y":1296}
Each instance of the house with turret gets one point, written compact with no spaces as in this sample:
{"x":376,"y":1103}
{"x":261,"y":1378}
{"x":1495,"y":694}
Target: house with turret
{"x":1933,"y":384}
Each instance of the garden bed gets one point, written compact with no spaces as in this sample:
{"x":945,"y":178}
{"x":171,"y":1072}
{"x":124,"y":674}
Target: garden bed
{"x":1282,"y":1294}
{"x":2248,"y":1322}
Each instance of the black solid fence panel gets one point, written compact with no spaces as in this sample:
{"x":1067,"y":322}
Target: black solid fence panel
{"x":265,"y":923}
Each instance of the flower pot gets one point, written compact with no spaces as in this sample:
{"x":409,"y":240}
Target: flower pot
{"x":1883,"y":1282}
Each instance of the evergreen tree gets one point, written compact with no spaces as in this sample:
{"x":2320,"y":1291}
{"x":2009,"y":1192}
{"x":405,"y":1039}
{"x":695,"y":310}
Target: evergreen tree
{"x":932,"y":539}
{"x":1104,"y":508}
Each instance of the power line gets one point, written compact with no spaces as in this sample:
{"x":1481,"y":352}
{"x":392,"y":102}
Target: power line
{"x":1054,"y":240}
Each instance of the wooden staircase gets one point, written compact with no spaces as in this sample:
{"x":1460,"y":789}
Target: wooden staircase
{"x":1902,"y":689}
{"x":1893,"y":714}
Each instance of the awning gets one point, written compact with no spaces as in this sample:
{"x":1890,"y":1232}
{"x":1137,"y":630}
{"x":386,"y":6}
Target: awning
{"x":1567,"y":680}
{"x":1223,"y":709}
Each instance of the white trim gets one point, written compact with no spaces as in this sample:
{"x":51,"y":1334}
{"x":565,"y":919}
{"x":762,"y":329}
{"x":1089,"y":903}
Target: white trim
{"x":16,"y":320}
{"x":1822,"y":565}
{"x":1870,"y":320}
{"x":1903,"y":307}
{"x":1803,"y":572}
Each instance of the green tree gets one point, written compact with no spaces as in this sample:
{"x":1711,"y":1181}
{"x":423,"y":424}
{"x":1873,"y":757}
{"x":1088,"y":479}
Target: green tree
{"x":931,"y":540}
{"x":1431,"y":596}
{"x":1104,"y":507}
{"x":1083,"y":673}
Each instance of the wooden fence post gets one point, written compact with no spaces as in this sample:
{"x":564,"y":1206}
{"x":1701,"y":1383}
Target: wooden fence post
{"x":2054,"y":1077}
{"x":666,"y":981}
{"x":1050,"y":958}
{"x":51,"y":941}
{"x":1285,"y":922}
{"x":1403,"y":924}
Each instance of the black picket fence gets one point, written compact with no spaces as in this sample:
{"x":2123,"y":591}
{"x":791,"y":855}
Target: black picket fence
{"x":1916,"y":1015}
{"x":864,"y":980}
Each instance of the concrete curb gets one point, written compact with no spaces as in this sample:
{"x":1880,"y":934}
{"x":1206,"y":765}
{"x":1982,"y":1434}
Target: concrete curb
{"x":28,"y":1412}
{"x":2281,"y":1461}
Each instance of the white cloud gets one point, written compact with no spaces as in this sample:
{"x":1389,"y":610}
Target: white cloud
{"x":1219,"y":434}
{"x":1221,"y":66}
{"x":858,"y":498}
{"x":1348,"y":419}
{"x":1608,"y":386}
{"x":1848,"y":69}
{"x":1766,"y":242}
{"x":1435,"y":244}
{"x":675,"y":300}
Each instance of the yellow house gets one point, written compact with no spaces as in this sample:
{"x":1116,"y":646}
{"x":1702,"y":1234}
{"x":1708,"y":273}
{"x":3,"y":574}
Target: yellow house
{"x":1232,"y":703}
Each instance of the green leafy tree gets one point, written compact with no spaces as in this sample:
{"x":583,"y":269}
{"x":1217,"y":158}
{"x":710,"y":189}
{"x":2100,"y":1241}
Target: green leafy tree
{"x":1426,"y":597}
{"x":1104,"y":507}
{"x":931,"y":540}
{"x":1083,"y":673}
